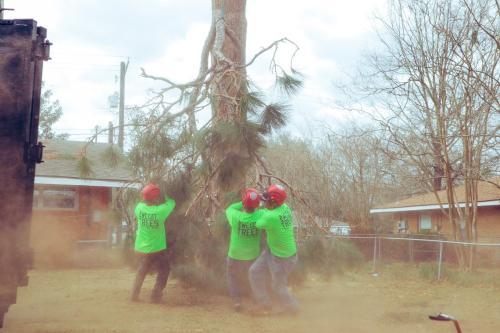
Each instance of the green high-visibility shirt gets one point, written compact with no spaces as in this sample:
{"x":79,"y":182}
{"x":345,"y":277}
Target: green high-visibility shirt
{"x":151,"y":235}
{"x":278,"y":225}
{"x":244,"y":243}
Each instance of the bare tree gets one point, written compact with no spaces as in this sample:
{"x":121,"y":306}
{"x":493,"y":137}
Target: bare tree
{"x":359,"y":170}
{"x":435,"y":90}
{"x":477,"y":55}
{"x":341,"y":175}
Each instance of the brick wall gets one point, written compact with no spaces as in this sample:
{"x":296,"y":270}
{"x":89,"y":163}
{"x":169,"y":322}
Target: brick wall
{"x":488,"y":222}
{"x":55,"y":232}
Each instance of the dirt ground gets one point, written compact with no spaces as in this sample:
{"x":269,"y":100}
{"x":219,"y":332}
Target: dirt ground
{"x":96,"y":300}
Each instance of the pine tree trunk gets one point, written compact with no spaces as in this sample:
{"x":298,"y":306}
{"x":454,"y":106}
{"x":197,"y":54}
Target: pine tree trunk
{"x":230,"y":85}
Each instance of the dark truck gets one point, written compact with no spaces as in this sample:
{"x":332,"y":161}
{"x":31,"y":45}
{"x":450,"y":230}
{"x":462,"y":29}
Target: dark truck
{"x":23,"y":48}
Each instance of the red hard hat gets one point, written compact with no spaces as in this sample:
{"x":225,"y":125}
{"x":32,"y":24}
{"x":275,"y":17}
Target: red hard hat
{"x":276,"y":193}
{"x":250,"y":198}
{"x":150,"y":192}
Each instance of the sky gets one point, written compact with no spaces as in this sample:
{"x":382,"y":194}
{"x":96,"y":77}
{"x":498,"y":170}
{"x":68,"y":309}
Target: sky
{"x":90,"y":38}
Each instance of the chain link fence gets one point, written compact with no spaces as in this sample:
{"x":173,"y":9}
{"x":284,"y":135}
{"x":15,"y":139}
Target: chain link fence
{"x":419,"y":248}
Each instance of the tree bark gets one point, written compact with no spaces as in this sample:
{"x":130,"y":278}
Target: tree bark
{"x":229,"y":86}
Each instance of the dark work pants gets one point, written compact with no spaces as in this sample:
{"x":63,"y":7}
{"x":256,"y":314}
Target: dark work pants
{"x":279,"y":268}
{"x":149,"y":263}
{"x":237,"y":277}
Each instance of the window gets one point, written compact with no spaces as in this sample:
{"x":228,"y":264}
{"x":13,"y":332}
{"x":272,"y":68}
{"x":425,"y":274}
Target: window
{"x":340,"y":230}
{"x":334,"y":230}
{"x":55,"y":199}
{"x":402,"y":226}
{"x":96,"y":216}
{"x":425,"y":223}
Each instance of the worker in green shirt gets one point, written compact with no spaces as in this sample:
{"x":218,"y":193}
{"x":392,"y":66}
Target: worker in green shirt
{"x":244,"y":243}
{"x":280,"y":258}
{"x":151,"y":241}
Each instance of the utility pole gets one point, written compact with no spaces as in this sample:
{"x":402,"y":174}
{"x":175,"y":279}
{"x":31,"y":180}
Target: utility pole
{"x":110,"y":133}
{"x":121,"y":114}
{"x":96,"y":129}
{"x":2,"y":9}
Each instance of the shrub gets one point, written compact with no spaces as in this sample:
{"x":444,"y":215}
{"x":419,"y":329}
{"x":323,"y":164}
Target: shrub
{"x":326,"y":256}
{"x":428,"y":271}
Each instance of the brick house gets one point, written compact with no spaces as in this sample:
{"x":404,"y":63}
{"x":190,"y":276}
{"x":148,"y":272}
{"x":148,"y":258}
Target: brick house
{"x":422,"y":213}
{"x":69,"y":211}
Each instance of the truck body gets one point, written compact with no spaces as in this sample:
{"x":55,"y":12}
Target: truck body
{"x":23,"y":48}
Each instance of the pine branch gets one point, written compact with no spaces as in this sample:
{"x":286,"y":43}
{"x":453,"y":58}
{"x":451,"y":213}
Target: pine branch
{"x":274,"y":116}
{"x":84,"y":167}
{"x":111,"y":156}
{"x":251,"y":102}
{"x":288,"y":84}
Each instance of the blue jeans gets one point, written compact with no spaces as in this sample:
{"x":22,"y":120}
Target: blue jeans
{"x":279,"y":269}
{"x":237,"y":277}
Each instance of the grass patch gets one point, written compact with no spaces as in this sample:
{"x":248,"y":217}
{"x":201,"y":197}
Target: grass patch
{"x":487,"y":278}
{"x":480,"y":278}
{"x":429,"y":271}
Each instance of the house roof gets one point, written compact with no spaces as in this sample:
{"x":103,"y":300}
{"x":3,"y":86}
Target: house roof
{"x":60,"y":164}
{"x":488,"y":195}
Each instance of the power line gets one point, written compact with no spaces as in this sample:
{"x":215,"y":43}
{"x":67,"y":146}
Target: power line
{"x":83,"y":68}
{"x":80,"y":64}
{"x":92,"y":55}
